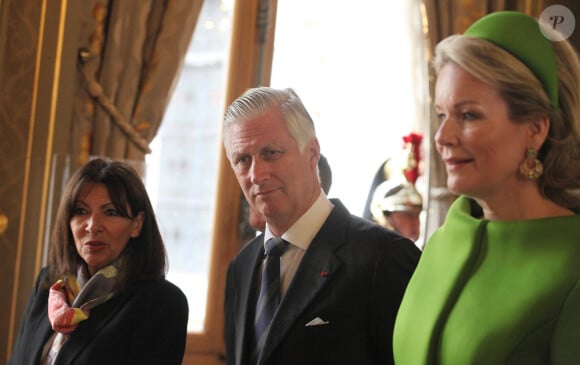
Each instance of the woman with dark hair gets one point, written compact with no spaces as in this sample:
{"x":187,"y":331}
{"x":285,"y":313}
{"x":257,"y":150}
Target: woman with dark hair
{"x":103,"y":298}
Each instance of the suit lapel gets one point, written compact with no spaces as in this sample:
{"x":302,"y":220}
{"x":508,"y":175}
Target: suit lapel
{"x":313,"y":274}
{"x":248,"y":280}
{"x":42,"y":333}
{"x":88,"y":331}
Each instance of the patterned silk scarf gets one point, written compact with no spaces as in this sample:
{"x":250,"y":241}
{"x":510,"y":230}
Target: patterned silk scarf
{"x":70,"y":300}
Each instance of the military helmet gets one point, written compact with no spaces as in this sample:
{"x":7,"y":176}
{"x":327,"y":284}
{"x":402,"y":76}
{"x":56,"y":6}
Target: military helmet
{"x":397,"y":192}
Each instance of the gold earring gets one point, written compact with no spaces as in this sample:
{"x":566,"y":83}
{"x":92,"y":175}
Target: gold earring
{"x":531,"y":168}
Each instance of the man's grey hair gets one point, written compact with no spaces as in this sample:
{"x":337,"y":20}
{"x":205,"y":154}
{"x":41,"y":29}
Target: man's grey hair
{"x":258,"y":101}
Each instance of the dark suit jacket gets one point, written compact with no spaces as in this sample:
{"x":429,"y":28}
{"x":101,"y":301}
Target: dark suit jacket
{"x":145,"y":325}
{"x":353,"y":276}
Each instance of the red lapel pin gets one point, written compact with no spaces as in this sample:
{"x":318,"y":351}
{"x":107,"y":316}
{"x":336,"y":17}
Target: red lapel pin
{"x":323,"y":273}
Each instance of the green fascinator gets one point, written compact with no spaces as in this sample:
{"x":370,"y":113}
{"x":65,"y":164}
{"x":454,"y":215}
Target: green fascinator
{"x":520,"y":35}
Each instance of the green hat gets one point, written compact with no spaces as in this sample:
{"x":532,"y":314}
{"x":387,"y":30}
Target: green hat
{"x":520,"y":35}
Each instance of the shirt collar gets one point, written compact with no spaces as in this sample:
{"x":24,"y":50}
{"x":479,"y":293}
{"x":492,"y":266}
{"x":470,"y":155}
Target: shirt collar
{"x":302,"y":232}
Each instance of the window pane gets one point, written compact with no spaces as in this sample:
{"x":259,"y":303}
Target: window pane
{"x":182,"y":170}
{"x":360,"y":69}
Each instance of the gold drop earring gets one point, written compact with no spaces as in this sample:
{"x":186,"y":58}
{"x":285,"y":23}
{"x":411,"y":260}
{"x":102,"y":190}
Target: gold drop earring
{"x":531,"y":168}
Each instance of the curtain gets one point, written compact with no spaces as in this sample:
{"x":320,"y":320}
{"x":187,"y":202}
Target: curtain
{"x":129,"y":57}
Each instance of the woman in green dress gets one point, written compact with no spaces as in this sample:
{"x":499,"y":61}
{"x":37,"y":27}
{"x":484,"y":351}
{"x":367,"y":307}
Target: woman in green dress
{"x":498,"y":282}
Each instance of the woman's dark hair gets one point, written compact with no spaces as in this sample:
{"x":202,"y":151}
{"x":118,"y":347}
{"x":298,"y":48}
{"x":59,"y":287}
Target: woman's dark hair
{"x":144,"y":256}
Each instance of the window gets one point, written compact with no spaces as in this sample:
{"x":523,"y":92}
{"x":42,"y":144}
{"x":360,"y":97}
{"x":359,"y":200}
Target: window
{"x":361,"y":72}
{"x":182,"y":169}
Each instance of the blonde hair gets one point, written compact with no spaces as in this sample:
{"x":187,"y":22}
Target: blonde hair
{"x":527,"y":100}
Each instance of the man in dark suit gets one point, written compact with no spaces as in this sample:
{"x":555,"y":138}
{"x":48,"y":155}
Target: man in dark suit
{"x":341,"y":278}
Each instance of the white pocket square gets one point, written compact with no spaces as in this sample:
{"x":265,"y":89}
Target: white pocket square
{"x":316,"y":322}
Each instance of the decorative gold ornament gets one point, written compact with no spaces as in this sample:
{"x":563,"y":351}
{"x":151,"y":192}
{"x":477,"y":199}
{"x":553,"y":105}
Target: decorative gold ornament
{"x":531,"y":168}
{"x":3,"y":223}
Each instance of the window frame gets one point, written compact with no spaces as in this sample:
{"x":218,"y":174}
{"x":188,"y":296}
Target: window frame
{"x":249,"y":65}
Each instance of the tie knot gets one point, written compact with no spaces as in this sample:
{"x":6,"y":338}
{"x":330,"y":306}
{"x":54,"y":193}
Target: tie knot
{"x":275,"y":247}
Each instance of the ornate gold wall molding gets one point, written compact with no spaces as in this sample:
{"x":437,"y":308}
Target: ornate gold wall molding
{"x":36,"y":77}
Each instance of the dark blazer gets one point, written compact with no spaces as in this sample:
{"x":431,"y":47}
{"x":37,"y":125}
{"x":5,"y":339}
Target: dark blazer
{"x":352,"y":276}
{"x":145,"y":325}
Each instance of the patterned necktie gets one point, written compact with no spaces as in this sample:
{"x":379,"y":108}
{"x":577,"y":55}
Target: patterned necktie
{"x":269,"y":291}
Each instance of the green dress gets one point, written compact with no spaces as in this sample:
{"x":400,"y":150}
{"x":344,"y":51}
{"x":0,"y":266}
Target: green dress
{"x":489,"y":292}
